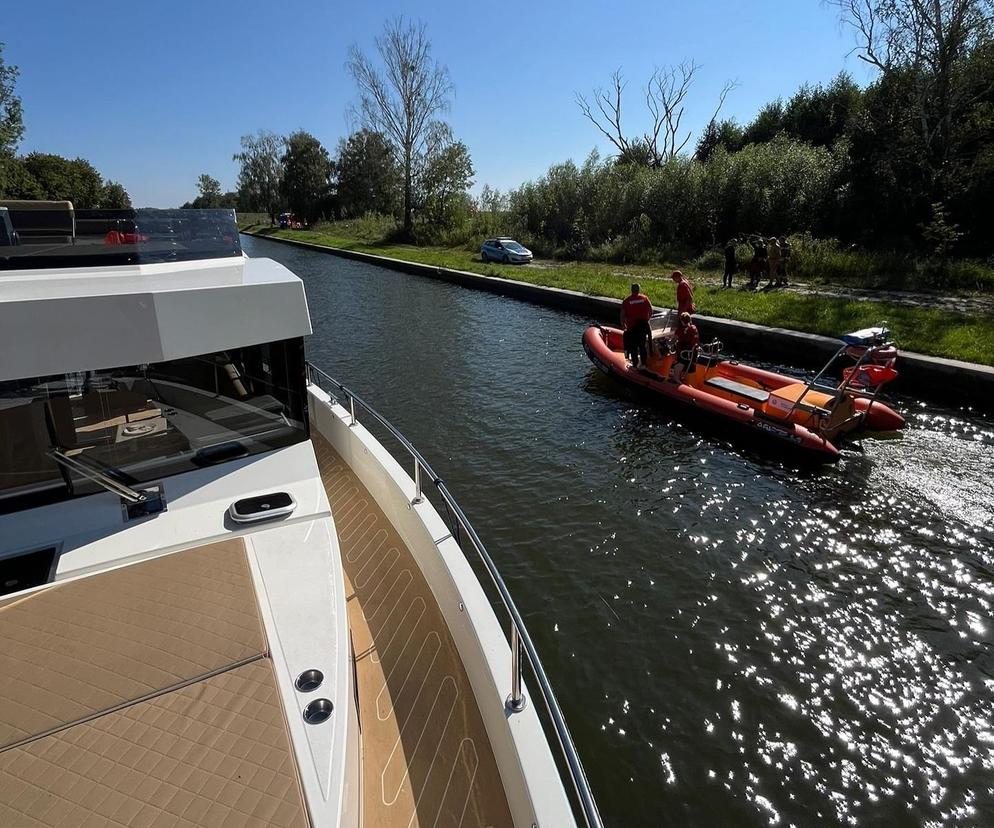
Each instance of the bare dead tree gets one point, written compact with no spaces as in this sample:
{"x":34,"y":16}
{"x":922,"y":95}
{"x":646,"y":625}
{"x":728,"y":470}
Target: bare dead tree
{"x":729,"y":87}
{"x":665,"y":95}
{"x":929,"y":38}
{"x":401,"y":100}
{"x":609,"y":106}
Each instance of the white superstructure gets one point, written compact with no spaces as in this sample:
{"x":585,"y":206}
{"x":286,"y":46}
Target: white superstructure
{"x":155,"y":636}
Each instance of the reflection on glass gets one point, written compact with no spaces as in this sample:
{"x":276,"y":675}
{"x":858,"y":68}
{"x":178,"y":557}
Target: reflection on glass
{"x":51,"y":234}
{"x":143,"y":422}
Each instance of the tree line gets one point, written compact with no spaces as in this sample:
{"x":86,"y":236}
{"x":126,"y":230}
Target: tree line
{"x":40,"y":175}
{"x":905,"y":164}
{"x":403,"y":161}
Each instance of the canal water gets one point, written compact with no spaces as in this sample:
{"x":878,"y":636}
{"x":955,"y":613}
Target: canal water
{"x":733,"y":641}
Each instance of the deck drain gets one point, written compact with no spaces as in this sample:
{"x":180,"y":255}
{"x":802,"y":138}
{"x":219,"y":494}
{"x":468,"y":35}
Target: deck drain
{"x":309,"y":680}
{"x":318,"y":711}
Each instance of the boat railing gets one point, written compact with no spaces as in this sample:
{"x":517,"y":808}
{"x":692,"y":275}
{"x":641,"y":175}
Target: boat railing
{"x":846,"y":385}
{"x":520,"y":639}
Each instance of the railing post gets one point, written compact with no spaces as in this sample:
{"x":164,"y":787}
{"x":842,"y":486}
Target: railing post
{"x":516,"y":701}
{"x":352,"y":410}
{"x":417,"y":483}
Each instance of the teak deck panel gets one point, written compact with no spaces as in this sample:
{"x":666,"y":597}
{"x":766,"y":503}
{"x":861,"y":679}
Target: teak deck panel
{"x":79,"y":648}
{"x":427,"y":758}
{"x":143,"y":696}
{"x":214,"y":753}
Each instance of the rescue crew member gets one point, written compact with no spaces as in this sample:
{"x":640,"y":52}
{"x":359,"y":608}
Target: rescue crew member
{"x":635,"y":313}
{"x":687,"y":341}
{"x":684,"y":294}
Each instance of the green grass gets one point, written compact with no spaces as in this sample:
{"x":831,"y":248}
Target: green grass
{"x":921,"y":329}
{"x":251,"y":220}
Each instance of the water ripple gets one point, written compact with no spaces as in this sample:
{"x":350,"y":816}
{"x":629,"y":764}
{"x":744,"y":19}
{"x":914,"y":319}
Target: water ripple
{"x":734,"y":641}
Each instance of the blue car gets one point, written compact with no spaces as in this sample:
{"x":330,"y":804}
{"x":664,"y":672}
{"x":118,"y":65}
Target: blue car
{"x":505,"y":250}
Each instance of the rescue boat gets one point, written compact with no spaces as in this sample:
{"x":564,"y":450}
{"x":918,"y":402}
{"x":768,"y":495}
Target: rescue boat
{"x":811,"y":417}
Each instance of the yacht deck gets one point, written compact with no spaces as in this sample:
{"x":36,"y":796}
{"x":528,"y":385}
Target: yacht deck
{"x":427,"y":758}
{"x":144,"y":697}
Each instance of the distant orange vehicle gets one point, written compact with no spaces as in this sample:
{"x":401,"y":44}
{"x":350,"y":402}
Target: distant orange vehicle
{"x":809,"y":417}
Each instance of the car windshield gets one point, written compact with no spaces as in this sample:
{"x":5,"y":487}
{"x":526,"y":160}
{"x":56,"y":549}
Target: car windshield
{"x":147,"y":421}
{"x":513,"y":246}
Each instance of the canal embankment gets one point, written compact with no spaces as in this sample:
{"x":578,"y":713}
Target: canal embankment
{"x":952,"y":381}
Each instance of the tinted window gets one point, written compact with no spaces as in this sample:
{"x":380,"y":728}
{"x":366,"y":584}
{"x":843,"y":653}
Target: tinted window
{"x":52,"y":238}
{"x":145,"y":422}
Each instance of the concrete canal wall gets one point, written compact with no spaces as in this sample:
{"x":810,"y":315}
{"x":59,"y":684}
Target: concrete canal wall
{"x":952,"y":381}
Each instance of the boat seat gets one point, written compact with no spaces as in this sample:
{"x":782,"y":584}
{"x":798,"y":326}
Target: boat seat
{"x":740,"y":388}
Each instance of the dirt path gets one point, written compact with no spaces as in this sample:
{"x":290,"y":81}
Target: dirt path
{"x":967,"y":304}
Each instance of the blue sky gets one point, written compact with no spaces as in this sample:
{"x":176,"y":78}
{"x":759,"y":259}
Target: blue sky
{"x":153,"y":97}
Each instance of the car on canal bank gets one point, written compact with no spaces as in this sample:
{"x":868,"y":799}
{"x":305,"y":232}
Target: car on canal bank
{"x":505,"y":250}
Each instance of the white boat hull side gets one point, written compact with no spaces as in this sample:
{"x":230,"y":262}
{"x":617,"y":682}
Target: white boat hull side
{"x":528,"y":771}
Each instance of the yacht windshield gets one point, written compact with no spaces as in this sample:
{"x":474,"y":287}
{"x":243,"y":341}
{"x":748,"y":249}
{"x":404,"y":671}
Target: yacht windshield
{"x":144,"y":422}
{"x":47,"y":234}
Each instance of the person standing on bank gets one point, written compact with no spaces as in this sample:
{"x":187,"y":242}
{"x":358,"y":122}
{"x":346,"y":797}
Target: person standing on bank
{"x":774,"y":254}
{"x":730,"y":264}
{"x":784,"y":261}
{"x":636,"y":310}
{"x":684,"y":294}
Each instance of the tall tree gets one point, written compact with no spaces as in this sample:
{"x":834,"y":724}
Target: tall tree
{"x":403,"y":98}
{"x":114,"y":196}
{"x":11,"y":116}
{"x":210,"y":191}
{"x":930,"y":42}
{"x":260,"y":177}
{"x":725,"y":133}
{"x":16,"y":181}
{"x":307,"y":170}
{"x":820,"y":114}
{"x":767,"y":124}
{"x":665,"y":100}
{"x":367,"y":174}
{"x":64,"y":179}
{"x":443,"y":179}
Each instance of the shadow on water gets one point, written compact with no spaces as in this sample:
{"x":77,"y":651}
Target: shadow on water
{"x":734,"y":640}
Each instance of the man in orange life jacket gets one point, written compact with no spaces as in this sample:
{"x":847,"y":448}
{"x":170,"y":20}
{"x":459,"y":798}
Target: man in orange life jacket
{"x":684,"y":294}
{"x":687,"y":341}
{"x":635,"y":313}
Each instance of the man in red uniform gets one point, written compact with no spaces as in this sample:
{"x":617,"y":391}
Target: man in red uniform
{"x":687,"y":341}
{"x":684,"y":294}
{"x":635,"y":313}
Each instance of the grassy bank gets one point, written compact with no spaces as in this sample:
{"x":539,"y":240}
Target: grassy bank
{"x":922,"y":329}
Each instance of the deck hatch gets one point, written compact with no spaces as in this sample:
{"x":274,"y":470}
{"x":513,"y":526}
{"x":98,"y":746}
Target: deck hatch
{"x":26,"y":570}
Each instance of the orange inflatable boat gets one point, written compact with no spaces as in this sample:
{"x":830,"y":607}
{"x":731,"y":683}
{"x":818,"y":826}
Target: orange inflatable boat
{"x":810,"y":417}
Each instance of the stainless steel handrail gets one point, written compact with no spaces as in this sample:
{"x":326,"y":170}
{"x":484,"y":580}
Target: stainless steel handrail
{"x":520,"y":639}
{"x":97,"y":476}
